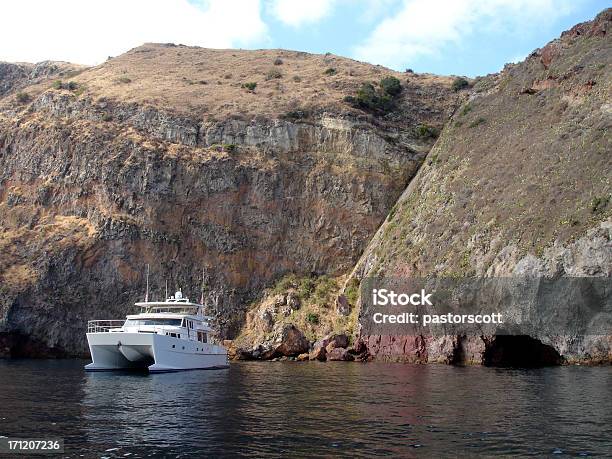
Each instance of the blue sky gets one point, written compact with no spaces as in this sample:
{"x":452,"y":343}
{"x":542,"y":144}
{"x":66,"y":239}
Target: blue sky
{"x":461,"y":37}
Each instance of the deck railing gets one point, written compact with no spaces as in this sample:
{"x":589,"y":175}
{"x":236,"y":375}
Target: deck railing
{"x":100,"y":326}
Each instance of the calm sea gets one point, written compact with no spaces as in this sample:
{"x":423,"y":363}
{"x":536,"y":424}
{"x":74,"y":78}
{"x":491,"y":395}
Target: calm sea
{"x":311,"y":409}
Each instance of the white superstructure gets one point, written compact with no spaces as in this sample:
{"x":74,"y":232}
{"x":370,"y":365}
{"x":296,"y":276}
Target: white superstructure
{"x":169,"y":335}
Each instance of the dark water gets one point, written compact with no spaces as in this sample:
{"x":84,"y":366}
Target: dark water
{"x":311,"y":409}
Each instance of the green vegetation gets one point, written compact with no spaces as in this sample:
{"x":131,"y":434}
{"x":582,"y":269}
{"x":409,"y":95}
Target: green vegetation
{"x":226,"y":147}
{"x":23,"y":97}
{"x":250,"y":86}
{"x":460,"y":83}
{"x":124,"y":80}
{"x":107,"y":117}
{"x":381,"y":99}
{"x":599,"y":203}
{"x":313,"y":318}
{"x":297,"y":114}
{"x":477,"y":122}
{"x":297,"y":78}
{"x":352,"y":291}
{"x":330,"y":71}
{"x":278,"y":61}
{"x":426,"y":131}
{"x":467,"y":108}
{"x":391,"y":85}
{"x":71,"y":85}
{"x":273,"y":73}
{"x":320,"y":290}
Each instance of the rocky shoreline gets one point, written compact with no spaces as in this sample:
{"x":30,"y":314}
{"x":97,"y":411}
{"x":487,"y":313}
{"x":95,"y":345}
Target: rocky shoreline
{"x":289,"y":343}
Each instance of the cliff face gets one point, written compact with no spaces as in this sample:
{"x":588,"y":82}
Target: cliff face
{"x":162,"y":157}
{"x":518,"y":184}
{"x":275,"y":169}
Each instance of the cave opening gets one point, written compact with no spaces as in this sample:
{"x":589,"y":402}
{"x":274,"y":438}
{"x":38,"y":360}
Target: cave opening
{"x":520,"y":351}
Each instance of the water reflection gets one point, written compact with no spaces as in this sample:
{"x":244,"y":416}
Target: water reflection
{"x":268,"y":409}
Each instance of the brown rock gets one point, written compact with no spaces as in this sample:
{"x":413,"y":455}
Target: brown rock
{"x":548,"y":53}
{"x":336,"y":340}
{"x":318,"y":353}
{"x":342,"y":305}
{"x":303,"y":357}
{"x":339,"y":354}
{"x":293,"y":301}
{"x":293,"y":341}
{"x":286,"y":341}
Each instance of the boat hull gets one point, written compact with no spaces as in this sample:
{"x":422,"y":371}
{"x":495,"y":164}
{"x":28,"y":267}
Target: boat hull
{"x":151,"y":351}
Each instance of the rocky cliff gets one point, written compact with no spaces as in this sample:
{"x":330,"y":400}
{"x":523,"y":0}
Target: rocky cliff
{"x":245,"y":164}
{"x":518,"y":184}
{"x":289,"y":178}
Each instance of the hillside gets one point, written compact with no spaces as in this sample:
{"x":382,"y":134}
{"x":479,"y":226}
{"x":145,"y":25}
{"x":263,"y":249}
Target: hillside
{"x":519,"y":183}
{"x":159,"y":157}
{"x":290,"y":178}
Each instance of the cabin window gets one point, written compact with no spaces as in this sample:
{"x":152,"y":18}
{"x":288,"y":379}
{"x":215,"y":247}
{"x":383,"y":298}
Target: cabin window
{"x":202,"y":337}
{"x":138,"y":322}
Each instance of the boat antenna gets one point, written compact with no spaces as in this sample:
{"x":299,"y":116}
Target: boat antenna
{"x":147,"y":291}
{"x":202,"y":298}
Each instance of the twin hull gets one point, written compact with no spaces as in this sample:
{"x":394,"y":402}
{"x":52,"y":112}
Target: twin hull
{"x":158,"y":353}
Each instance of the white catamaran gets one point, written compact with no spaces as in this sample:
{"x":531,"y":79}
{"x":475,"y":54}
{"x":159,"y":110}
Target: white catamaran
{"x":169,"y":335}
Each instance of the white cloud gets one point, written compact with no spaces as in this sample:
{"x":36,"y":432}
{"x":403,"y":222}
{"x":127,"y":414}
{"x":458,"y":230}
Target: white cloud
{"x":423,"y":27}
{"x":298,"y":12}
{"x":87,"y":32}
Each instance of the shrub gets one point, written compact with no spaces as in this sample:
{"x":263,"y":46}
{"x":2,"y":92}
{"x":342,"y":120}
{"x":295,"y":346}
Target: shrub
{"x":459,"y":84}
{"x":352,"y":291}
{"x":425,"y":131}
{"x":273,"y":73}
{"x":297,"y":114}
{"x":306,"y":287}
{"x":278,"y":61}
{"x":312,"y":318}
{"x":71,"y":85}
{"x":297,"y":78}
{"x":599,"y":203}
{"x":330,"y":71}
{"x":229,"y":147}
{"x":287,"y":282}
{"x":227,"y":76}
{"x":409,"y":71}
{"x":23,"y":97}
{"x":369,"y":98}
{"x":124,"y":80}
{"x":477,"y":122}
{"x":107,"y":117}
{"x":250,"y":86}
{"x":466,"y":109}
{"x":325,"y":286}
{"x":391,"y":85}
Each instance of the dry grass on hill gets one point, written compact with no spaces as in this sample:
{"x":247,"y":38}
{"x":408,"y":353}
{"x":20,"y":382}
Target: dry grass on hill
{"x":208,"y":83}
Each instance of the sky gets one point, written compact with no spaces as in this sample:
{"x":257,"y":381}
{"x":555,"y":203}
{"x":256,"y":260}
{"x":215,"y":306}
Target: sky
{"x":448,"y":37}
